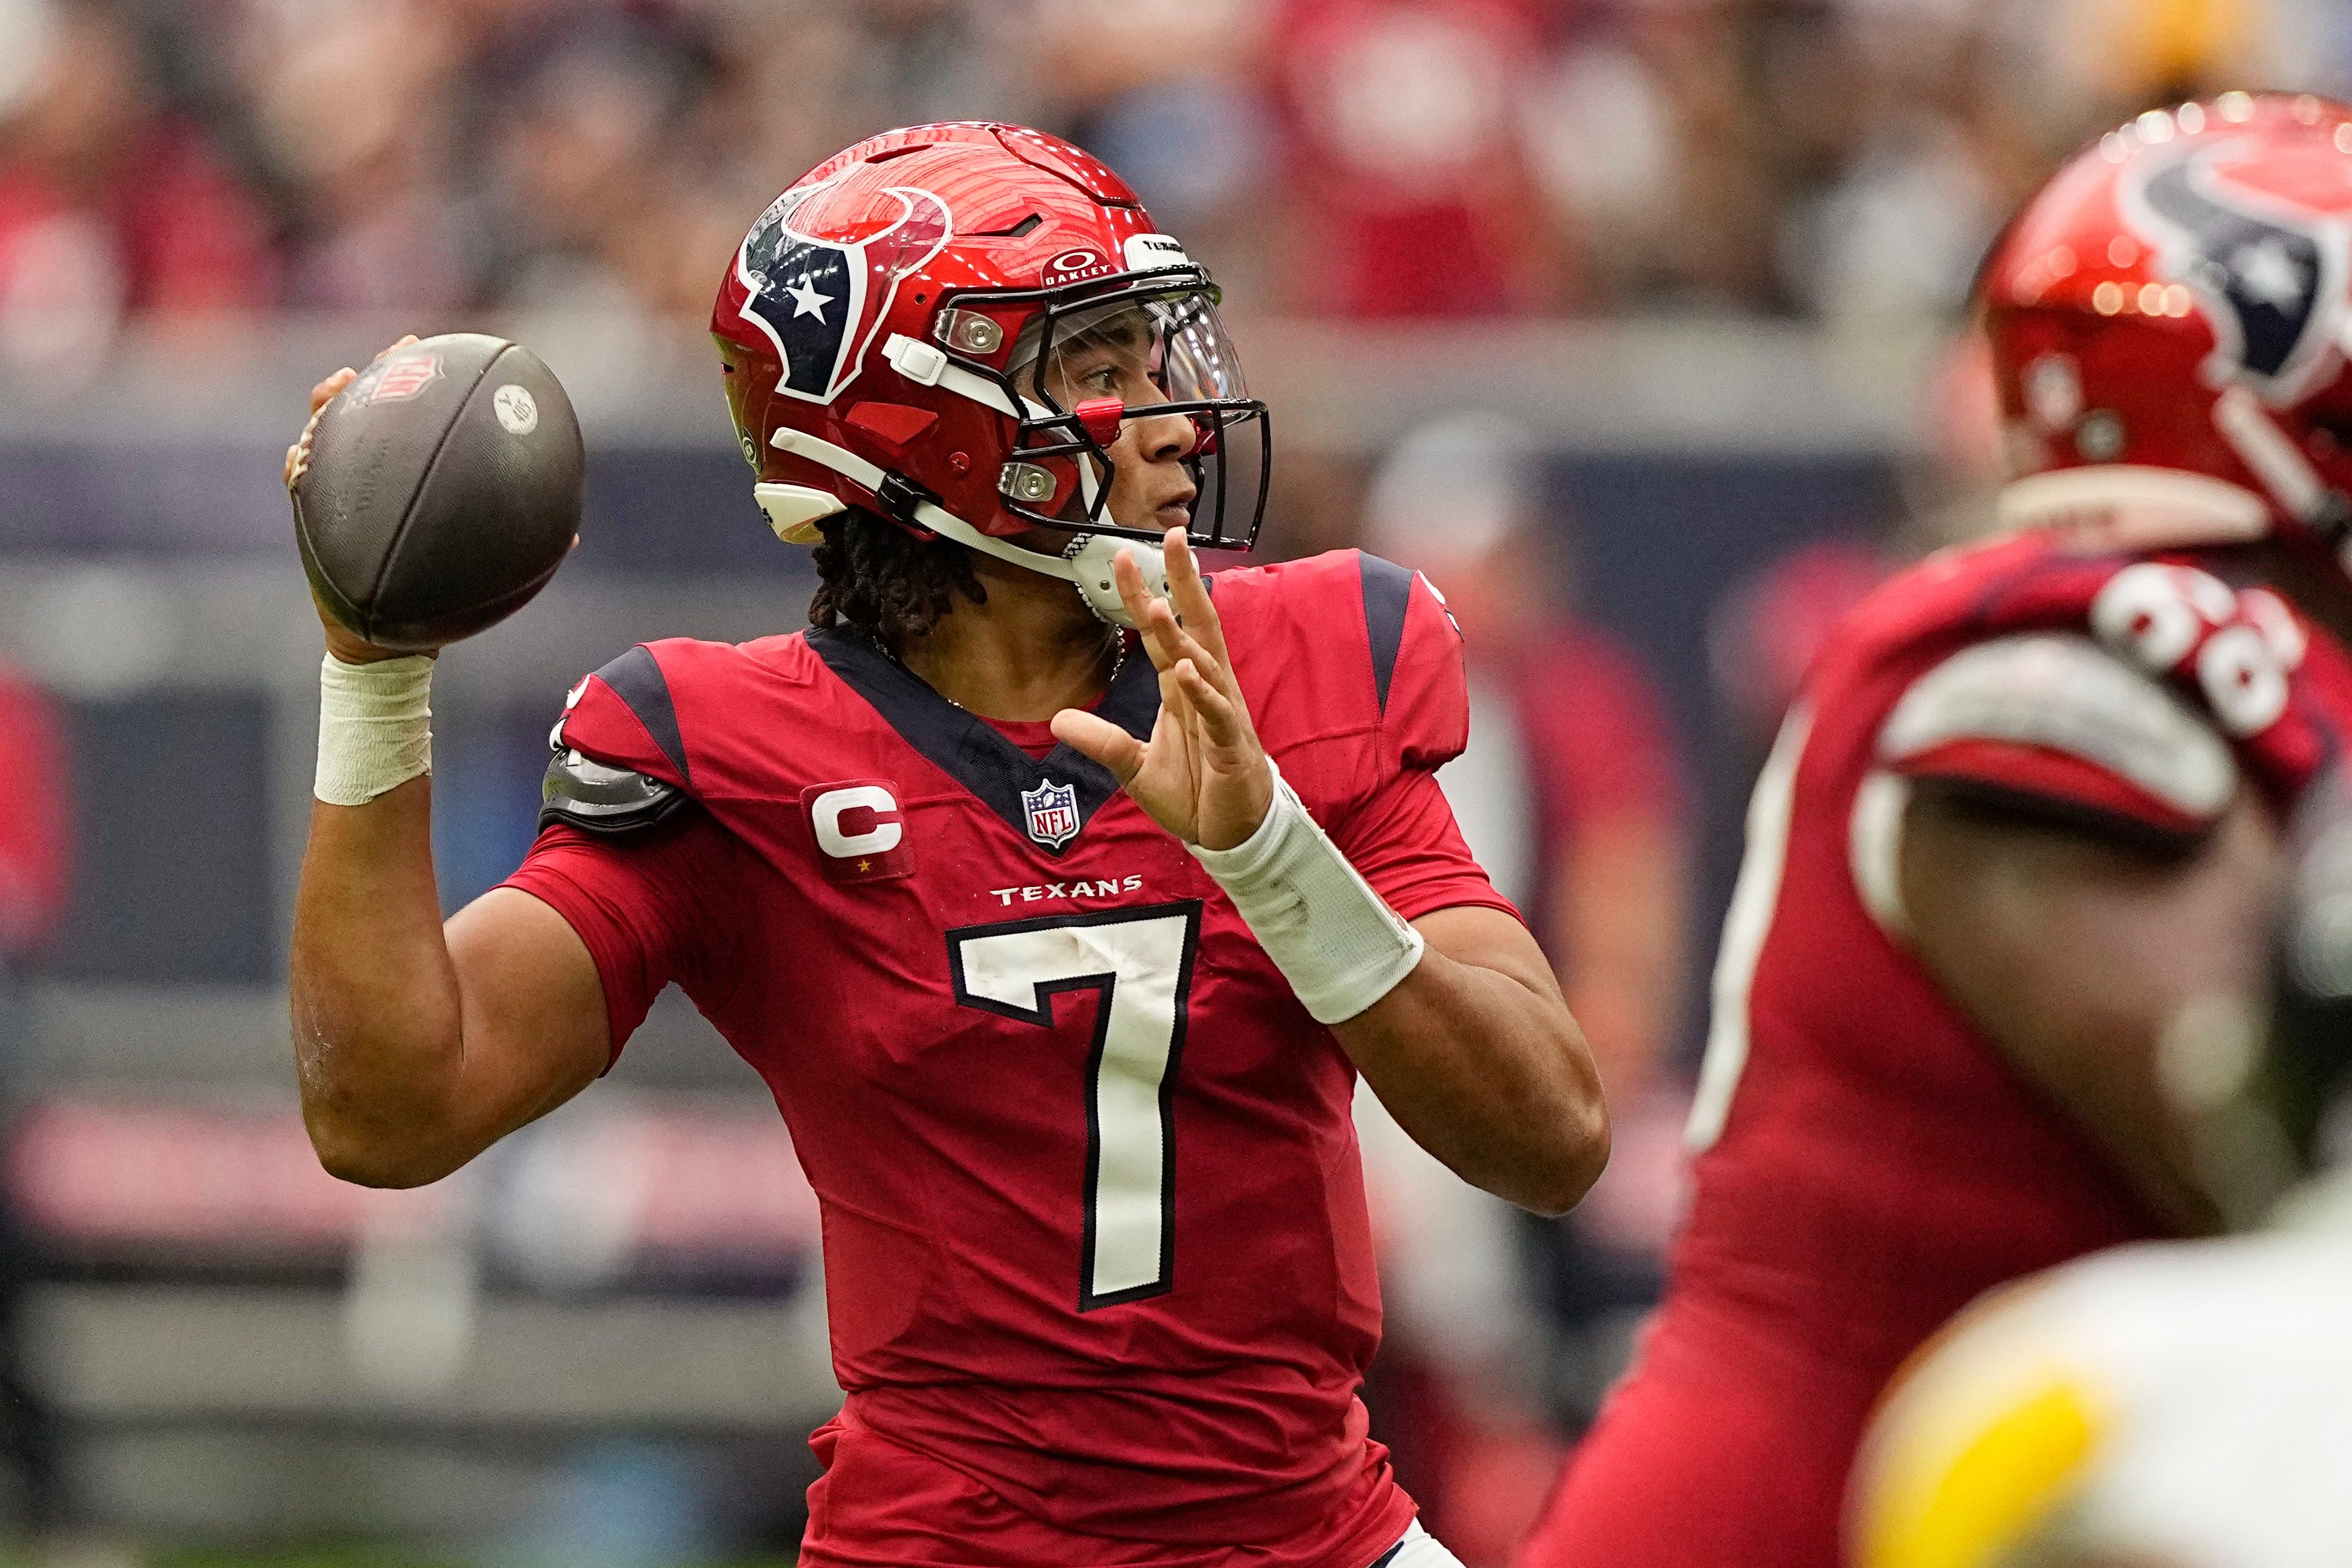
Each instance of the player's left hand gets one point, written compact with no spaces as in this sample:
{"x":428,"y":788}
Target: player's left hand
{"x":1203,"y":775}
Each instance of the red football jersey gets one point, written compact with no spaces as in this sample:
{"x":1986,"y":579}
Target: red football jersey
{"x":1096,"y":1258}
{"x":1871,"y":1161}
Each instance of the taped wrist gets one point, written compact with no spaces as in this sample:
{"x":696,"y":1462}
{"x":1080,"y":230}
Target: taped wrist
{"x":375,"y":727}
{"x":1337,"y":942}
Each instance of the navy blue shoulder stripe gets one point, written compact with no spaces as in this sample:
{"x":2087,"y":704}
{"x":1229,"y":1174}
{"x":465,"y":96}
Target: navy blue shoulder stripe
{"x":1388,"y":591}
{"x":636,"y":678}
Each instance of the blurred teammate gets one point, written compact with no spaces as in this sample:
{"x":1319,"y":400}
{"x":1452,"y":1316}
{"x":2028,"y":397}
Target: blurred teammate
{"x":989,"y":872}
{"x":2183,"y":1405}
{"x":2020,"y":824}
{"x":2156,"y":1407}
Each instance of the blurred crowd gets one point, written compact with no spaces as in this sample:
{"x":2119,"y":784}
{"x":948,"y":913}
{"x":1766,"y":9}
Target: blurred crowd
{"x":190,"y":161}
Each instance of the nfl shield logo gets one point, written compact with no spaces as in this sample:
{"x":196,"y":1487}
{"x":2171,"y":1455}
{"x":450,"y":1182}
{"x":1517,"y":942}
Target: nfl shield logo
{"x":1053,"y":813}
{"x":398,"y":380}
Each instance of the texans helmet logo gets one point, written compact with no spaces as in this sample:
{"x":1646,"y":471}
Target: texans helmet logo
{"x":2271,"y":276}
{"x":821,"y":301}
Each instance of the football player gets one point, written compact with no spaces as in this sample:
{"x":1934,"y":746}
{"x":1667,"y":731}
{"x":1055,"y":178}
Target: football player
{"x":1058,"y":892}
{"x":2180,"y":1404}
{"x":2021,"y":823}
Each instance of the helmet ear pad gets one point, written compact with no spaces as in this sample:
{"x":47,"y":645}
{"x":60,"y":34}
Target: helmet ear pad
{"x":793,"y":511}
{"x":1093,"y":556}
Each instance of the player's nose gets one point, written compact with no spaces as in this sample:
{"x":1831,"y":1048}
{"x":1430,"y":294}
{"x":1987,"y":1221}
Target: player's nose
{"x":1164,"y":437}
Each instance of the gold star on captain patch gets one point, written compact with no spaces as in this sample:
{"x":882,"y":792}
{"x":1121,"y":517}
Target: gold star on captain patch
{"x":864,"y":865}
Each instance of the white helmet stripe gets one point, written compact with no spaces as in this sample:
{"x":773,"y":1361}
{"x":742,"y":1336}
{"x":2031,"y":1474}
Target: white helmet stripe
{"x":930,"y":366}
{"x":2266,"y":449}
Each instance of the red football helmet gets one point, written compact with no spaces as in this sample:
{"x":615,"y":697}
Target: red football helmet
{"x":886,"y":328}
{"x":2169,"y":320}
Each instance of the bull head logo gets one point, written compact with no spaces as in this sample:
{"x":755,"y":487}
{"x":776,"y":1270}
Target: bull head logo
{"x":2272,"y":275}
{"x":821,"y":301}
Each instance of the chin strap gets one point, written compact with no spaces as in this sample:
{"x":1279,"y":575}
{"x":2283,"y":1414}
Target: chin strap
{"x":793,"y":511}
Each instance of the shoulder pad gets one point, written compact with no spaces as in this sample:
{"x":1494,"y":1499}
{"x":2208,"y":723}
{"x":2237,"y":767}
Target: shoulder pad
{"x":1355,"y":644}
{"x":590,"y":795}
{"x":2235,"y":656}
{"x":2057,"y":715}
{"x":1388,"y":594}
{"x":624,"y":714}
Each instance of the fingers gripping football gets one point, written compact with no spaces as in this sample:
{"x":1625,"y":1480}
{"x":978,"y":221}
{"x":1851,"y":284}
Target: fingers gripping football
{"x":298,"y":456}
{"x":345,"y":644}
{"x":1203,"y":773}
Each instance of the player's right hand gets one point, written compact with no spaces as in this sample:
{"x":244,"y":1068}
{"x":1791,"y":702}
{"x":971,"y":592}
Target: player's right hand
{"x":1203,"y":775}
{"x":341,"y":642}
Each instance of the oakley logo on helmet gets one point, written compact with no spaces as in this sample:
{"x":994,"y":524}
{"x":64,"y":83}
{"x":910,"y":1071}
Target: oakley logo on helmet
{"x":1071,"y":265}
{"x":2270,"y":275}
{"x":821,"y":301}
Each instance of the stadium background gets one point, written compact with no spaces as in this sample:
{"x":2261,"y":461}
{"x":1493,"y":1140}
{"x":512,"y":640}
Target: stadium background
{"x":1706,"y":255}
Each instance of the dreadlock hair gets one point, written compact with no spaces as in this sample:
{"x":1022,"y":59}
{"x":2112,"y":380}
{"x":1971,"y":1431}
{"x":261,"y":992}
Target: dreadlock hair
{"x":876,"y":577}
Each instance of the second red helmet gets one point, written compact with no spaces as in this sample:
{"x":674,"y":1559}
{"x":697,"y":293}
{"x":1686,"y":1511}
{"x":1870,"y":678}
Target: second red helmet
{"x":2170,"y":317}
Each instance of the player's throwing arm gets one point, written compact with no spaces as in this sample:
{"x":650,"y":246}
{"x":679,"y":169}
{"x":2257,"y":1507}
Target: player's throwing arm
{"x":417,"y":1047}
{"x":1455,"y":1019}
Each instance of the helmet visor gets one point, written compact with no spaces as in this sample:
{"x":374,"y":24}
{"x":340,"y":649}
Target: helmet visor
{"x":1124,"y":389}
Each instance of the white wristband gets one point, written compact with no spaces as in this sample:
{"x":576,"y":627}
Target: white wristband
{"x":375,"y":727}
{"x":1337,"y":942}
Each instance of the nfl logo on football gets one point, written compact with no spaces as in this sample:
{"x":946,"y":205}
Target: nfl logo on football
{"x":402,"y":379}
{"x":1053,"y":813}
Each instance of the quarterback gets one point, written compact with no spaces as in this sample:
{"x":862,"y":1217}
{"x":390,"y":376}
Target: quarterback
{"x":1058,"y":892}
{"x":2018,"y":836}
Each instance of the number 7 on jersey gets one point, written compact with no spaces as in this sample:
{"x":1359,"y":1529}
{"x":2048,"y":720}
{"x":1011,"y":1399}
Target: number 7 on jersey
{"x":1141,"y":963}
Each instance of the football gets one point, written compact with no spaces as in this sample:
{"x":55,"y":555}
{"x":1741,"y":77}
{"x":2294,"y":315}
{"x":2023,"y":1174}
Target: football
{"x":442,"y":490}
